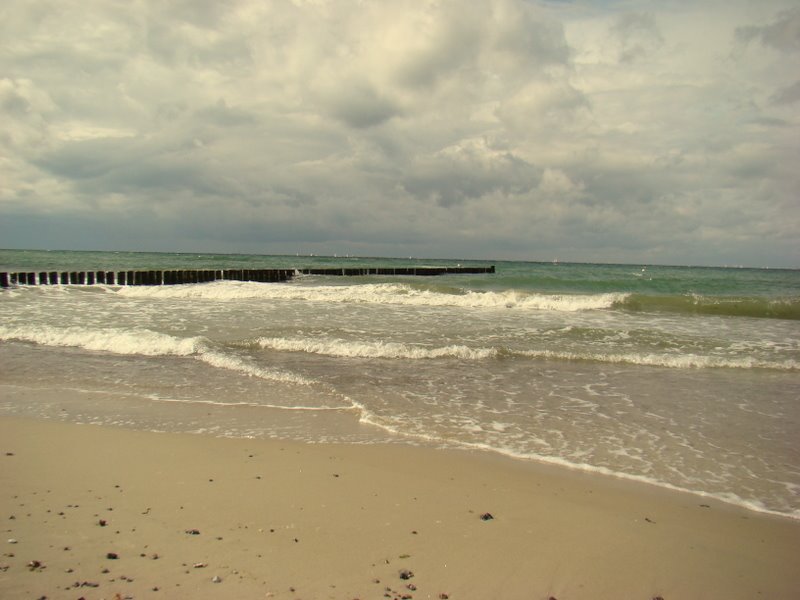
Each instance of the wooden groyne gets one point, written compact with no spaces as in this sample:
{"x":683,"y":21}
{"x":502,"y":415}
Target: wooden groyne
{"x":177,"y":277}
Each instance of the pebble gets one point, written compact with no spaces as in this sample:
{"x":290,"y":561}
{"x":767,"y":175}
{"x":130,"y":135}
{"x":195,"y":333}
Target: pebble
{"x":487,"y":517}
{"x":406,"y":574}
{"x":12,"y":541}
{"x":216,"y":579}
{"x":34,"y":565}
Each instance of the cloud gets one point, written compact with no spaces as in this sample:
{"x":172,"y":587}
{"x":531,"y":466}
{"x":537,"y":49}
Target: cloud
{"x":782,"y":34}
{"x":515,"y":128}
{"x":638,"y":35}
{"x":787,"y":95}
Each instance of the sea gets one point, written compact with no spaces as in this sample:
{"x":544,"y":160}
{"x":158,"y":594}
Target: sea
{"x":677,"y":376}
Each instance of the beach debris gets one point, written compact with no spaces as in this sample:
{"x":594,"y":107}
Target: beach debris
{"x":12,"y":541}
{"x":406,"y":574}
{"x":649,"y":520}
{"x":193,"y":531}
{"x":705,"y":506}
{"x":487,"y":516}
{"x":658,"y":598}
{"x":112,"y":556}
{"x":444,"y":596}
{"x":200,"y":565}
{"x":216,"y":579}
{"x":35,"y":565}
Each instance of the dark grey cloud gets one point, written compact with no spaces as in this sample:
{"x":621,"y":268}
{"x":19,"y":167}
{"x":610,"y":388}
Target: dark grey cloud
{"x":782,"y":34}
{"x":787,"y":95}
{"x":638,"y":35}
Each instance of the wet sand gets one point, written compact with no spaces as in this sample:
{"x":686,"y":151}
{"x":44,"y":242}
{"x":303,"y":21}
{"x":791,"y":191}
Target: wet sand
{"x":94,"y":512}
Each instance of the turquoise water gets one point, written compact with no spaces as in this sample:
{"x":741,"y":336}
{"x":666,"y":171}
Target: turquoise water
{"x":683,"y":377}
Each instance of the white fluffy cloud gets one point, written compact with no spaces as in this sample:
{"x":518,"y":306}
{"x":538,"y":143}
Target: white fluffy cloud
{"x":493,"y":128}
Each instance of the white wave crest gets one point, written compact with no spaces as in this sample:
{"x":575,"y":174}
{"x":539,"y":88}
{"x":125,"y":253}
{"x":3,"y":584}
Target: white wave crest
{"x":684,"y":361}
{"x":232,"y":363}
{"x":144,"y":343}
{"x":377,"y":293}
{"x":342,"y":348}
{"x":116,"y":341}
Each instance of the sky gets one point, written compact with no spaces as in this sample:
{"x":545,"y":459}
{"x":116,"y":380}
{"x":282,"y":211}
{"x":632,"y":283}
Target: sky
{"x":609,"y":131}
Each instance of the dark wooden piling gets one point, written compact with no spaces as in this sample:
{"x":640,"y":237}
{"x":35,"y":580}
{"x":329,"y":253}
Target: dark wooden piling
{"x":176,"y":277}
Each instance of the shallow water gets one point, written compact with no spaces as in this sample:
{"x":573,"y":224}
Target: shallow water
{"x":682,"y":377}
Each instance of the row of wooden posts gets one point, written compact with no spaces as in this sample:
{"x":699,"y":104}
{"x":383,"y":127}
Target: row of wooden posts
{"x":176,"y":277}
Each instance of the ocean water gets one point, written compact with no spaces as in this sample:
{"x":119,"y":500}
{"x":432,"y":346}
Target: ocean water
{"x":682,"y":377}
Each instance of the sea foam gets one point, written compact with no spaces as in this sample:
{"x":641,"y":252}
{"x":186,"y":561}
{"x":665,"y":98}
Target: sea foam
{"x":380,"y":293}
{"x":144,"y":342}
{"x":357,"y":349}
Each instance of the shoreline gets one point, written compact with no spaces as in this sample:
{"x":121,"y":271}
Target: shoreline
{"x":292,"y":520}
{"x":332,"y":427}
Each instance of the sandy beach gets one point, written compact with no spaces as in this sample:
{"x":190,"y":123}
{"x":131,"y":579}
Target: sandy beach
{"x":93,"y":512}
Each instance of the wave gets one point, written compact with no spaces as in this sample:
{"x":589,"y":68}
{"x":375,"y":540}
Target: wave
{"x":381,"y":293}
{"x":116,"y":341}
{"x":673,"y":361}
{"x":345,"y":349}
{"x":732,"y":306}
{"x":396,"y":350}
{"x":369,"y":418}
{"x":144,"y":342}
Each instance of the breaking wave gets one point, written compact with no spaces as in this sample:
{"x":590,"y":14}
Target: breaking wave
{"x":144,"y":342}
{"x":380,"y":293}
{"x":395,"y":350}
